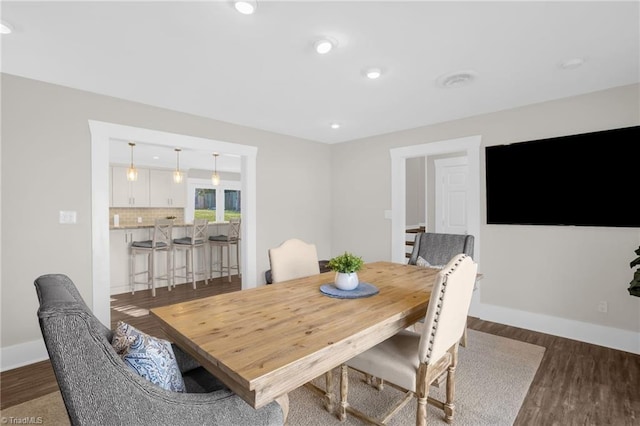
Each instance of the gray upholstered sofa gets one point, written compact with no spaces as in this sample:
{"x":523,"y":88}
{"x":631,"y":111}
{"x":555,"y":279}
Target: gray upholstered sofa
{"x":99,"y":389}
{"x":438,"y":249}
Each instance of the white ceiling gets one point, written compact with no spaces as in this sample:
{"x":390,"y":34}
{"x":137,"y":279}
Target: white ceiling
{"x":261,"y":71}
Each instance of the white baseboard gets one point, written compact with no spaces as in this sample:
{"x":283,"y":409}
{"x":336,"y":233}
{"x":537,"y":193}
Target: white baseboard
{"x":615,"y":338}
{"x":23,"y":354}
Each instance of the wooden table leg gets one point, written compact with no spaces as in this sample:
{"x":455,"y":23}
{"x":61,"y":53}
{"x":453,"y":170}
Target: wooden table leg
{"x":328,"y":391}
{"x":283,"y":401}
{"x":344,"y":390}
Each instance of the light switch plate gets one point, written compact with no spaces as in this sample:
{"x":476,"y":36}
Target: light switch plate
{"x":67,"y":217}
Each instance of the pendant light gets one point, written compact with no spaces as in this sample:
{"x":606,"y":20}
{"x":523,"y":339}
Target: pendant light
{"x":215,"y":178}
{"x":177,"y":174}
{"x":132,"y":172}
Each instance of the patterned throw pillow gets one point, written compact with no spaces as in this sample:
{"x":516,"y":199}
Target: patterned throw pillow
{"x":148,"y":356}
{"x":423,"y":263}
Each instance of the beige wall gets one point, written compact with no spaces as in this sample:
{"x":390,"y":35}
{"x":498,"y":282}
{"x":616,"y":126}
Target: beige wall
{"x":544,"y":271}
{"x":333,"y":195}
{"x":415,"y":192}
{"x":45,"y":129}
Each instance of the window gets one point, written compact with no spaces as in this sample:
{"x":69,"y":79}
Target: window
{"x":205,"y":204}
{"x":215,"y":203}
{"x":231,"y":204}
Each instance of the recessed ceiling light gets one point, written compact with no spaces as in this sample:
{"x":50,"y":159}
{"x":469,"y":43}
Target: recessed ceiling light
{"x":246,"y":7}
{"x":373,"y":73}
{"x":572,"y":63}
{"x":335,"y":125}
{"x":5,"y":28}
{"x":456,"y":79}
{"x":325,"y":45}
{"x":155,"y":157}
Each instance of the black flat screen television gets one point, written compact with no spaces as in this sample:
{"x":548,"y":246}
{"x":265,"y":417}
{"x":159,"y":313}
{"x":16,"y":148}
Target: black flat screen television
{"x":590,"y":179}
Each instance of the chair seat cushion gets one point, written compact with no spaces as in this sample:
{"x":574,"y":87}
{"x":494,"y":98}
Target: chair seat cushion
{"x":147,"y":244}
{"x":395,"y":360}
{"x":218,"y":238}
{"x":186,"y":240}
{"x":148,"y":356}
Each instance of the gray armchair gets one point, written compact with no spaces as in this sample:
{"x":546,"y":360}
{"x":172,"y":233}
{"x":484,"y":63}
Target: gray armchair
{"x":439,"y":249}
{"x":98,"y":388}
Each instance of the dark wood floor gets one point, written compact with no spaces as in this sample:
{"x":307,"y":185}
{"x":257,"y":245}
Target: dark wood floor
{"x":576,"y":384}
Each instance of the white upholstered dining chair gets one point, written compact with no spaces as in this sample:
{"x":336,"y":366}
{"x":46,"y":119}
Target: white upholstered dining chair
{"x":293,"y":259}
{"x":411,"y":361}
{"x":296,"y":259}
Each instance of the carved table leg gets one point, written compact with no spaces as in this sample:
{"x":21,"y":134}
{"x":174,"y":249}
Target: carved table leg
{"x":328,"y":395}
{"x":344,"y":390}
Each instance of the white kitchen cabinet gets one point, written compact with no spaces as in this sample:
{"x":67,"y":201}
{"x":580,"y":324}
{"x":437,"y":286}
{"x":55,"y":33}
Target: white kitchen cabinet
{"x":129,"y":194}
{"x":119,"y":242}
{"x":118,"y":259}
{"x":164,"y":192}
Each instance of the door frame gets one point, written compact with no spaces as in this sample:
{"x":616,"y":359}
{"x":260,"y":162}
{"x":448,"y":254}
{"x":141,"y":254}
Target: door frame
{"x":470,"y":145}
{"x":102,"y":133}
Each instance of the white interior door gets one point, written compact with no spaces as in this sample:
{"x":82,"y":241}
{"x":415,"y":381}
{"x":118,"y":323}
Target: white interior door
{"x":451,"y":193}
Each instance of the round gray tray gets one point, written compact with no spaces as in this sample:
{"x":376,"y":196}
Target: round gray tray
{"x":363,"y":290}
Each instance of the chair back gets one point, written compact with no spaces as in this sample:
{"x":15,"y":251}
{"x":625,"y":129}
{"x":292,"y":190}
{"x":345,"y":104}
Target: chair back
{"x":439,"y":249}
{"x":162,"y":232}
{"x":448,"y":307}
{"x":293,"y":259}
{"x":98,"y":388}
{"x":234,"y":229}
{"x":199,"y":231}
{"x":57,"y":291}
{"x":77,"y":342}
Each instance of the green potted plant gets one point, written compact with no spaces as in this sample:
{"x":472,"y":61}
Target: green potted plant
{"x":346,"y":266}
{"x":634,"y":287}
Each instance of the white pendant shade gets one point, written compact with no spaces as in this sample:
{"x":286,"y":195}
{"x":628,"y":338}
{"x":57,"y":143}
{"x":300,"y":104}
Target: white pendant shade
{"x":132,"y":172}
{"x":215,"y":177}
{"x":177,"y":174}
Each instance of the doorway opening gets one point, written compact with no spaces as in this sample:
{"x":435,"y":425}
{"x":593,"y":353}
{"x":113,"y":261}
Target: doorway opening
{"x":102,"y":134}
{"x":468,"y":147}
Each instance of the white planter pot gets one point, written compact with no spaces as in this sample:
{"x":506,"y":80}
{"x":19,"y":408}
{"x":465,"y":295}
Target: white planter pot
{"x":346,"y":281}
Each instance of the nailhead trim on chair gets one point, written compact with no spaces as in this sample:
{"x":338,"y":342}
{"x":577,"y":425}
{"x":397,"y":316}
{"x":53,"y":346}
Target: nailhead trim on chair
{"x":435,"y":320}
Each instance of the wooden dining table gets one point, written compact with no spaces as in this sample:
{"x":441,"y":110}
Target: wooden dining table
{"x":265,"y":342}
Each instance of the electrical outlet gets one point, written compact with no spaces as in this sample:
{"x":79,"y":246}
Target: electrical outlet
{"x":67,"y":217}
{"x":603,"y":307}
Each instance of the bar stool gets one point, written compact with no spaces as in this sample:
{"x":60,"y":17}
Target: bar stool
{"x":195,"y":240}
{"x":222,"y":241}
{"x":160,"y":242}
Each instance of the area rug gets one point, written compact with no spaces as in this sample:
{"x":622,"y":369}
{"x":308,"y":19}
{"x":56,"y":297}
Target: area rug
{"x":493,"y":376}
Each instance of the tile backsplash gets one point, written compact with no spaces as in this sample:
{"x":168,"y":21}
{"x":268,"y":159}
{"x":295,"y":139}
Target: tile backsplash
{"x":129,"y":216}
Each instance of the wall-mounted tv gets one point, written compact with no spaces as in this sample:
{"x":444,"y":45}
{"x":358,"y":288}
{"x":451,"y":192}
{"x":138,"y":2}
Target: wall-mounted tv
{"x":590,"y":179}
